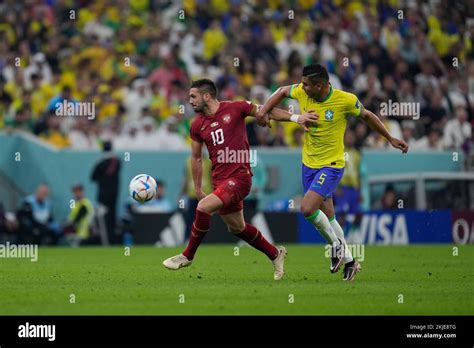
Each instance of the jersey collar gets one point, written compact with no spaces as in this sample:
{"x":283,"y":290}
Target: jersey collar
{"x":217,"y":111}
{"x":329,"y":94}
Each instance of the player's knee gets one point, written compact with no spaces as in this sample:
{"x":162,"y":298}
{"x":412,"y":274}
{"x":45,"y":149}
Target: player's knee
{"x":307,"y":209}
{"x":204,"y":207}
{"x":235,"y":228}
{"x":234,"y":231}
{"x":329,"y":212}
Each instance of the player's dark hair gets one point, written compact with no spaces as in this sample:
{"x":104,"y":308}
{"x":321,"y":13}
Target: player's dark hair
{"x":205,"y":86}
{"x":316,"y":73}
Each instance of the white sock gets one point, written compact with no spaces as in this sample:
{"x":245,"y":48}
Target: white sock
{"x":320,"y":220}
{"x":340,"y":234}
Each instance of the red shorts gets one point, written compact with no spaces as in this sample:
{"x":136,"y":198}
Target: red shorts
{"x":232,"y":192}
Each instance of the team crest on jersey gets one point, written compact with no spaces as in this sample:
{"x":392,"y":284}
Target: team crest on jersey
{"x":231,"y":183}
{"x":214,"y":124}
{"x":329,"y":115}
{"x":226,"y":118}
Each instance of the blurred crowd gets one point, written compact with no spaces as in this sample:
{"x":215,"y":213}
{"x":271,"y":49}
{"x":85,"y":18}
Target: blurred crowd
{"x":134,"y":61}
{"x":88,"y":221}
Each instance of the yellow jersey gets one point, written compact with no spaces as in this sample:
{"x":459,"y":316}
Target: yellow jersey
{"x":324,"y":143}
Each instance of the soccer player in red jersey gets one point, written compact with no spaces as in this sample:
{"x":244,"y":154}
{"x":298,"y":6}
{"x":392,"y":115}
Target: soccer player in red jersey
{"x":221,"y":126}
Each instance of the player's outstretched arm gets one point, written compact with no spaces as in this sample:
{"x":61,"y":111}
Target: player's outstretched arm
{"x":374,"y":122}
{"x":303,"y":120}
{"x":277,"y":114}
{"x":277,"y":96}
{"x":196,"y":168}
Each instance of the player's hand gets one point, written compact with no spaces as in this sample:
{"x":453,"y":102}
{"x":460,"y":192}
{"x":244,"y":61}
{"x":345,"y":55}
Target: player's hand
{"x":307,"y":119}
{"x":399,"y":144}
{"x":260,"y":116}
{"x":200,"y":195}
{"x":263,"y":120}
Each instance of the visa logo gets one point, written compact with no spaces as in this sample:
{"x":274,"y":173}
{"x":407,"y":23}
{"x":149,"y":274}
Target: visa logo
{"x":384,"y":229}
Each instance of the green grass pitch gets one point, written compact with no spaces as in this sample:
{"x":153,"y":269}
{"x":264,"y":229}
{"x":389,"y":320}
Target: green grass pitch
{"x":106,"y":282}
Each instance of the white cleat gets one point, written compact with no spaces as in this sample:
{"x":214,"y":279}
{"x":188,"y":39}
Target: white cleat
{"x":279,"y":262}
{"x":177,"y":262}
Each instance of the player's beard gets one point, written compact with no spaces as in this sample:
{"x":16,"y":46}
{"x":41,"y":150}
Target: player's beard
{"x":200,"y":107}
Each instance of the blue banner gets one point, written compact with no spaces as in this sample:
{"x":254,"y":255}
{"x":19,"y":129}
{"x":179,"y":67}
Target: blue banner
{"x":388,"y":227}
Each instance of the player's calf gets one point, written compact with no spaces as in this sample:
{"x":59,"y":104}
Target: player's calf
{"x":277,"y":255}
{"x":199,"y":229}
{"x":201,"y":225}
{"x":254,"y":237}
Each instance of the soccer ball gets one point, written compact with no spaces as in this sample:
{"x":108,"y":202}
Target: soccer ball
{"x":142,"y":188}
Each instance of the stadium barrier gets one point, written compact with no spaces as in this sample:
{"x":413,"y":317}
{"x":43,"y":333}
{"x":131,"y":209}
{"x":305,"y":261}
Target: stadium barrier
{"x":25,"y":162}
{"x":401,"y":227}
{"x":380,"y":227}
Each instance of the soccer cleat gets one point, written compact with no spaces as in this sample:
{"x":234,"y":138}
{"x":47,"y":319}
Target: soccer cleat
{"x":279,"y":262}
{"x":336,"y":257}
{"x":177,"y":262}
{"x":350,"y":271}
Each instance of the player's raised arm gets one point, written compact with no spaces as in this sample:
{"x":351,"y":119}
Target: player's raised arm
{"x":303,"y":120}
{"x":285,"y":116}
{"x":196,"y":168}
{"x":277,"y":96}
{"x":376,"y":124}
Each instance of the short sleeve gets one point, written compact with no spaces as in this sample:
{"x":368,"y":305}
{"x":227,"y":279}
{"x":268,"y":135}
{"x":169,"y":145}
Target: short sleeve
{"x":353,"y":105}
{"x":195,"y":132}
{"x":245,"y":107}
{"x":296,"y":91}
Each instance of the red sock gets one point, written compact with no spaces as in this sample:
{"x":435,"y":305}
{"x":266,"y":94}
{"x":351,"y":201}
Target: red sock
{"x":201,"y":225}
{"x":256,"y":239}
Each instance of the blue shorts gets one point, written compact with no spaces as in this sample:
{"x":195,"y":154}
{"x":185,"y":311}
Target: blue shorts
{"x":321,"y":180}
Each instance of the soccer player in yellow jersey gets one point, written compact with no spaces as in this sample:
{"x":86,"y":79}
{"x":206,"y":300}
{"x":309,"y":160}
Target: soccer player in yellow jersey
{"x":323,"y":151}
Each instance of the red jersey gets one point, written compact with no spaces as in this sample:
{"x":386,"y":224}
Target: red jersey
{"x":225,"y":137}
